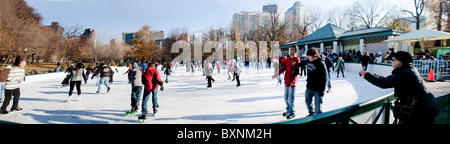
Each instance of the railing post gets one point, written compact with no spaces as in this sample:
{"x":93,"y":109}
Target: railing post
{"x":387,"y":112}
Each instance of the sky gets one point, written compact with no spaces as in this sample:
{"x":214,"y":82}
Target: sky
{"x":112,"y":17}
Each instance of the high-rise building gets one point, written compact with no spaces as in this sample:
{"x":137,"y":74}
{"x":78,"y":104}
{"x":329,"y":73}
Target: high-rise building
{"x":89,"y":34}
{"x":271,"y":8}
{"x":156,"y":35}
{"x":127,"y":36}
{"x":295,"y":14}
{"x":246,"y":21}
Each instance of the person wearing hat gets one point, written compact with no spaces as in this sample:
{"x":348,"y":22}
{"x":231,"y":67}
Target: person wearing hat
{"x":413,"y":104}
{"x":136,"y":88}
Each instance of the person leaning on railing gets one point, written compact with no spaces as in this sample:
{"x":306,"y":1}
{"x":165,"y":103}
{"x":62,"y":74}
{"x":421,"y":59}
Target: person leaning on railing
{"x":413,"y":104}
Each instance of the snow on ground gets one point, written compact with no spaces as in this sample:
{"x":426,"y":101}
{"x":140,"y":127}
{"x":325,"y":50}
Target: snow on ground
{"x":185,"y":100}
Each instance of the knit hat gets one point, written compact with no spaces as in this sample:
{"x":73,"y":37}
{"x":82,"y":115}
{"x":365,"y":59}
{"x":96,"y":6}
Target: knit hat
{"x":403,"y":56}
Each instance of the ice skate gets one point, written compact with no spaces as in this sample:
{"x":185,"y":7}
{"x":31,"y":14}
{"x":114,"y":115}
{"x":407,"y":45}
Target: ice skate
{"x":17,"y":109}
{"x":143,"y":117}
{"x":290,"y":116}
{"x":132,"y":111}
{"x":79,"y":97}
{"x":70,"y":98}
{"x":155,"y":110}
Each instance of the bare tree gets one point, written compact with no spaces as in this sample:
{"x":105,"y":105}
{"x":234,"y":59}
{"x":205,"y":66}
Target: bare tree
{"x":370,"y":12}
{"x":418,"y":5}
{"x":274,"y":29}
{"x":317,"y":18}
{"x":71,"y":42}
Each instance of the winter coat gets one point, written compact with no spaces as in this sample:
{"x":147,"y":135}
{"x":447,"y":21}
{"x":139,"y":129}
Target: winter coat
{"x":78,"y":76}
{"x":328,"y":63}
{"x":151,"y":79}
{"x":408,"y":86}
{"x":104,"y":71}
{"x":209,"y":69}
{"x":317,"y":76}
{"x":14,"y":78}
{"x":168,"y":68}
{"x":289,"y":65}
{"x":136,"y":77}
{"x":238,"y":70}
{"x":340,"y":64}
{"x":365,"y":60}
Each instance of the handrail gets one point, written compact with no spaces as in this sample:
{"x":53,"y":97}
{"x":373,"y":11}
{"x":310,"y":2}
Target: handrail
{"x":343,"y":114}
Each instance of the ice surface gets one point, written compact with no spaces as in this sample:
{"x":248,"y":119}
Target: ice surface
{"x":185,"y":100}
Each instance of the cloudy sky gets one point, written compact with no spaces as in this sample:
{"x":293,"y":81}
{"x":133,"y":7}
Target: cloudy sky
{"x":112,"y":17}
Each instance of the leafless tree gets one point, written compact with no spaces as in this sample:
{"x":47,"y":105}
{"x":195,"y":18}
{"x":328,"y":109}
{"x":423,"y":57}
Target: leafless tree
{"x":419,"y":6}
{"x":370,"y":12}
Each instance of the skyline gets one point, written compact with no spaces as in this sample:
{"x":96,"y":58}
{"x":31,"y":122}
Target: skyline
{"x":112,"y":17}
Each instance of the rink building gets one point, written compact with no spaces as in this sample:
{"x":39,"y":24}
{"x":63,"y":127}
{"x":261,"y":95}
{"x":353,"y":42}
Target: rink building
{"x":333,"y":39}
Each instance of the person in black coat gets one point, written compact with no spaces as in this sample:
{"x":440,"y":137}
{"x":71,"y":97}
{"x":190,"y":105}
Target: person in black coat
{"x":365,"y":60}
{"x":418,"y":105}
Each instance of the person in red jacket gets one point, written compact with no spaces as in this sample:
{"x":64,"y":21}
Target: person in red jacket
{"x":151,"y":80}
{"x":291,"y":66}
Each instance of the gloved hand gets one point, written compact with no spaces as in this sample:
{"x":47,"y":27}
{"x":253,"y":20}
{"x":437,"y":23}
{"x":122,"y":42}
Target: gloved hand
{"x":321,"y":94}
{"x":162,"y":88}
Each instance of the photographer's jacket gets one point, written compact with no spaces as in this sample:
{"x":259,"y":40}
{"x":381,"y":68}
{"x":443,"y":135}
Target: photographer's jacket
{"x":408,"y":86}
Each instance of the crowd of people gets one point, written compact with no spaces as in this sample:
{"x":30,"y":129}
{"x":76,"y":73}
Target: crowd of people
{"x":145,"y":78}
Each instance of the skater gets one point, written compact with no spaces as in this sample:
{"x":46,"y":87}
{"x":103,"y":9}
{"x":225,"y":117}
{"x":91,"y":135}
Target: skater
{"x":113,"y":67}
{"x":76,"y":76}
{"x":105,"y":72}
{"x":237,"y":73}
{"x":329,"y":65}
{"x":151,"y":80}
{"x":209,"y":72}
{"x":130,"y":68}
{"x":167,"y":71}
{"x":291,"y":66}
{"x":276,"y":66}
{"x":365,"y":61}
{"x":136,"y":88}
{"x":303,"y":65}
{"x":413,"y":103}
{"x":12,"y":85}
{"x":230,"y":65}
{"x":316,"y":82}
{"x":340,"y":66}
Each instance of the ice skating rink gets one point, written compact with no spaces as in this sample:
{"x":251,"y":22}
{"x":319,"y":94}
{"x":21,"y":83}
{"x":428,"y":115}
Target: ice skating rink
{"x":185,"y":100}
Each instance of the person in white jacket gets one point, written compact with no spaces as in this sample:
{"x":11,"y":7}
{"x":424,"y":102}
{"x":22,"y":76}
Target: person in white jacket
{"x":76,"y":77}
{"x":237,"y":73}
{"x":209,"y":72}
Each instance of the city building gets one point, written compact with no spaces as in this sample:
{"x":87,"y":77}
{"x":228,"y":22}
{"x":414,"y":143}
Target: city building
{"x":246,"y":21}
{"x":127,"y":36}
{"x":59,"y":30}
{"x":89,"y":34}
{"x":295,"y":15}
{"x":158,"y":36}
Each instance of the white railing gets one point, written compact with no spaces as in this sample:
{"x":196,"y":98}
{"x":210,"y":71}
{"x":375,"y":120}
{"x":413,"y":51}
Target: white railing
{"x":440,"y":67}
